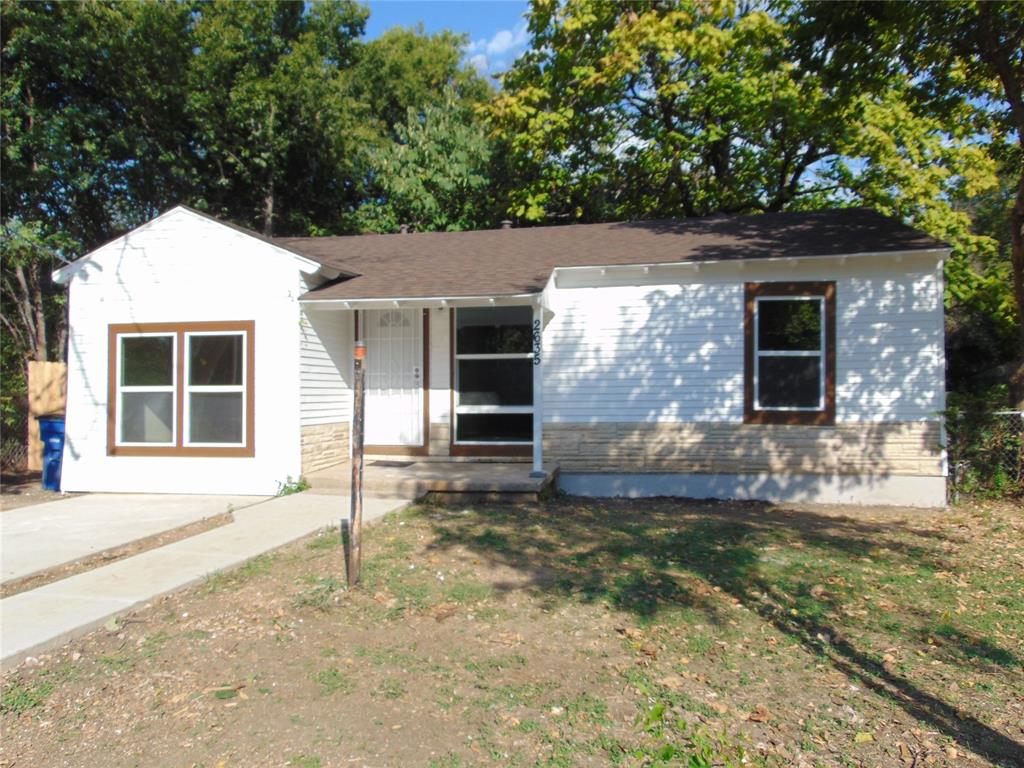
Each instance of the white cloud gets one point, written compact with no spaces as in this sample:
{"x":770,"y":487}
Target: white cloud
{"x":479,"y":62}
{"x":491,"y":56}
{"x":507,"y":40}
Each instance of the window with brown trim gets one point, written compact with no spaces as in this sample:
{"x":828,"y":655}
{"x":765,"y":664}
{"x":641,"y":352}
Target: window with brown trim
{"x":790,"y":361}
{"x":181,"y":389}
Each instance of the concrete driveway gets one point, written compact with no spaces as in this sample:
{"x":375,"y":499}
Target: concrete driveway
{"x":50,"y":615}
{"x":35,"y":538}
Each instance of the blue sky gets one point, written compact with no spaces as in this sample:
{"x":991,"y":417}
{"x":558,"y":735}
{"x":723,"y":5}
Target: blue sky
{"x":496,"y":28}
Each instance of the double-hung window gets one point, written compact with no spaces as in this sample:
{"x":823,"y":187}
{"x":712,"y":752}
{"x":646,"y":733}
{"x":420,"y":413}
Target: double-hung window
{"x":790,"y":353}
{"x":146,"y":385}
{"x":181,"y":389}
{"x":493,"y":367}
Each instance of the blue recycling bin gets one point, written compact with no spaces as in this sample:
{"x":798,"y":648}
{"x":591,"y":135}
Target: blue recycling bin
{"x":51,"y":434}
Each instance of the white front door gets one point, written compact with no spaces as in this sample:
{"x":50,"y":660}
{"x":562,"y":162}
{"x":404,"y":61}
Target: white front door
{"x":394,"y":376}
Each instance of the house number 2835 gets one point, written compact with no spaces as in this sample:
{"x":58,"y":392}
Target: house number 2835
{"x":536,"y":342}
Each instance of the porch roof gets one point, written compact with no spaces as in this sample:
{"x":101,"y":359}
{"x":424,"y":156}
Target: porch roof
{"x":506,"y":262}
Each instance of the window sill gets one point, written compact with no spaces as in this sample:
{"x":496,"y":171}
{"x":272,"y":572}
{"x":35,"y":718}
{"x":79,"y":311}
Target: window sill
{"x":805,"y":418}
{"x":238,"y":451}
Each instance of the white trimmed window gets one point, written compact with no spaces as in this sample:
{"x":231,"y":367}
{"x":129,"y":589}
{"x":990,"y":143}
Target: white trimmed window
{"x":215,"y":388}
{"x":789,"y":367}
{"x":146,"y":386}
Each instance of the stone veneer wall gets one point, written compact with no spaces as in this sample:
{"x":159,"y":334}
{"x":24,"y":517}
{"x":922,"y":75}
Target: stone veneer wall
{"x":324,"y":445}
{"x":883,"y":448}
{"x":440,"y":439}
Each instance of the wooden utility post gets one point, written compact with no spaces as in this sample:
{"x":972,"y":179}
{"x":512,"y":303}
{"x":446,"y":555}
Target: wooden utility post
{"x":354,"y":559}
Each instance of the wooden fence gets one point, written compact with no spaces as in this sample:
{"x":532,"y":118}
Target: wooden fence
{"x":47,"y":394}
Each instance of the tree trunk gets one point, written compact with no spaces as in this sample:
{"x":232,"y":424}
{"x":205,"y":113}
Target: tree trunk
{"x":268,"y":189}
{"x":268,"y":208}
{"x":1017,"y":260}
{"x":996,"y":51}
{"x":39,"y":313}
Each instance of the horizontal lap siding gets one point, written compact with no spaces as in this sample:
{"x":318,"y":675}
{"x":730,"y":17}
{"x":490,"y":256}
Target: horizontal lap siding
{"x":326,"y":357}
{"x":889,"y":352}
{"x":654,"y":353}
{"x":674,"y":352}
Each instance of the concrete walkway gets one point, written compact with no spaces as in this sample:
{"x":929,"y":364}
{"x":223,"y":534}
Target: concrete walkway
{"x":44,"y":618}
{"x":43,"y":536}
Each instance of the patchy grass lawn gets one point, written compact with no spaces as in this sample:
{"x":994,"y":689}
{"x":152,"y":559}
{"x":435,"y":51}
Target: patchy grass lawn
{"x":586,"y":633}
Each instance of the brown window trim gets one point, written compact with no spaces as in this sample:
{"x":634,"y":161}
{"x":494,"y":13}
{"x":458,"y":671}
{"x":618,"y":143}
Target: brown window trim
{"x":752,"y":291}
{"x":180,"y":449}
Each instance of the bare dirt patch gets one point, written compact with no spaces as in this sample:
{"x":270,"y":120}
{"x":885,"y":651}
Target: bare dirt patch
{"x":23,"y":489}
{"x":585,"y":633}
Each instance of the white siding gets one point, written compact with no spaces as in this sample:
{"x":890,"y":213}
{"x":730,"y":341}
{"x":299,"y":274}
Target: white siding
{"x":440,"y":366}
{"x":673,"y":351}
{"x":326,"y":358}
{"x":184,"y":268}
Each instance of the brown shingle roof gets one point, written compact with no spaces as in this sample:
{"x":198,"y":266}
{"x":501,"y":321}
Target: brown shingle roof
{"x":500,"y":262}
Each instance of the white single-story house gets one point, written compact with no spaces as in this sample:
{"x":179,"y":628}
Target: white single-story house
{"x":784,"y":356}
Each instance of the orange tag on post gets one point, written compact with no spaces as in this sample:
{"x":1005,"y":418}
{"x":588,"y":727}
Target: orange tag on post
{"x":360,"y":351}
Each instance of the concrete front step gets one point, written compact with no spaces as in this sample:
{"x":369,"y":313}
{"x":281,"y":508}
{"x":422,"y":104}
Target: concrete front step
{"x":445,"y":482}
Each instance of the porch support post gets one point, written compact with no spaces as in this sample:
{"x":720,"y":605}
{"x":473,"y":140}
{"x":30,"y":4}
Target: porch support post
{"x":538,"y":391}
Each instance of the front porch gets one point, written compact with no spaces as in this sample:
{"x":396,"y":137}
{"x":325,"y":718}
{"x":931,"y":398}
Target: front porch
{"x":445,"y":379}
{"x":446,"y":482}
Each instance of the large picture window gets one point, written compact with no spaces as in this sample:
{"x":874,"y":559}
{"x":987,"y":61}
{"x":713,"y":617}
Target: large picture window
{"x":181,"y":389}
{"x":493,"y":369}
{"x":789,"y":331}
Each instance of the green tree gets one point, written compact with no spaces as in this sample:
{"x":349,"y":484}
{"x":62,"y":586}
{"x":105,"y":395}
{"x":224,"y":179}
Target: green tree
{"x":668,"y":109}
{"x":435,"y":176}
{"x":966,"y":63}
{"x":405,"y":68}
{"x":693,"y":108}
{"x":276,"y":130}
{"x":92,"y":106}
{"x":93,"y":141}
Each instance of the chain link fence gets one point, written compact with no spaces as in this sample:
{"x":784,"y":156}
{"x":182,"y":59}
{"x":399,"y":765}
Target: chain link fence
{"x":14,"y":445}
{"x":986,"y":454}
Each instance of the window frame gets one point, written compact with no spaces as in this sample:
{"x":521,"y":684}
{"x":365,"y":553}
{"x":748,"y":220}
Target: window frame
{"x":754,"y":294}
{"x":181,"y":388}
{"x":188,"y":389}
{"x":122,"y":389}
{"x":472,"y":410}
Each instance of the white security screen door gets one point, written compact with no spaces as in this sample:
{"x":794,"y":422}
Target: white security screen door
{"x":394,"y":380}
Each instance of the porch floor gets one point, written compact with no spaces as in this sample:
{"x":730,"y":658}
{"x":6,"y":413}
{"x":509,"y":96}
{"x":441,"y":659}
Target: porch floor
{"x":444,"y":481}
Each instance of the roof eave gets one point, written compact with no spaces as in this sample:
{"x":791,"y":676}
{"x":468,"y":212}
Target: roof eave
{"x":934,"y":252}
{"x":397,"y":301}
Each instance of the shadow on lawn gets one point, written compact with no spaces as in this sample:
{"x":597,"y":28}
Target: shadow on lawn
{"x":647,"y":558}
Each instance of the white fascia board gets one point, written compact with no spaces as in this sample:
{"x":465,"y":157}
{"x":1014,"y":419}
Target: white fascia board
{"x":938,"y":253}
{"x":423,"y":301}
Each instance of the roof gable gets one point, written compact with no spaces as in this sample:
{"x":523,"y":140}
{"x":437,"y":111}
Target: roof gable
{"x":304,"y":263}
